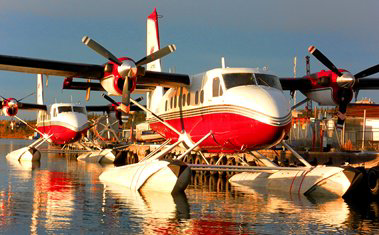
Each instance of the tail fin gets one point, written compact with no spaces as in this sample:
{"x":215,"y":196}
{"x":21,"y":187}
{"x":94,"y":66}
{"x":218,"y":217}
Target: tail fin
{"x":39,"y":94}
{"x":153,"y":98}
{"x":152,"y":40}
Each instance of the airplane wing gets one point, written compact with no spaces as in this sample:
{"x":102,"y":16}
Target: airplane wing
{"x":100,"y":108}
{"x":86,"y":71}
{"x":30,"y":106}
{"x":108,"y":108}
{"x":295,"y":83}
{"x":152,"y":78}
{"x":50,"y":67}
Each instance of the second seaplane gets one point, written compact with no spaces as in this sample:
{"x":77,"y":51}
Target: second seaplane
{"x":58,"y":124}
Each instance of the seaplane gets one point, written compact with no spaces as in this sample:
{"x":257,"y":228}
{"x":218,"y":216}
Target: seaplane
{"x":58,"y":124}
{"x":223,"y":110}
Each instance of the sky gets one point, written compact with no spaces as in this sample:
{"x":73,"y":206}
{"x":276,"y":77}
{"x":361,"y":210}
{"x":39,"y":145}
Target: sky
{"x":247,"y":33}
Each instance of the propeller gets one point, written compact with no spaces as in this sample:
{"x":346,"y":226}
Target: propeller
{"x":127,"y":68}
{"x":345,"y":80}
{"x":11,"y":104}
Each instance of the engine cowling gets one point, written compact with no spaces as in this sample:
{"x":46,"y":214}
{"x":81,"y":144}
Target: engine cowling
{"x":113,"y":82}
{"x":327,"y":89}
{"x":10,"y":107}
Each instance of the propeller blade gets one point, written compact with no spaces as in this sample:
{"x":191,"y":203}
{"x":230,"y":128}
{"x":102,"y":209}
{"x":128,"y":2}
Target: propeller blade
{"x":100,"y":49}
{"x":367,"y":72}
{"x":157,"y":55}
{"x":26,"y":96}
{"x":139,"y":99}
{"x":119,"y":119}
{"x":356,"y":92}
{"x":125,"y":92}
{"x":125,"y":100}
{"x":341,"y":115}
{"x":324,"y":60}
{"x":110,"y":99}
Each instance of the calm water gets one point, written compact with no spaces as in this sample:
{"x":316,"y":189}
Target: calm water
{"x":63,"y":195}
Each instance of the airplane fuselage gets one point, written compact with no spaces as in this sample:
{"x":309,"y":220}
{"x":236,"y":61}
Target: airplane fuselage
{"x":66,"y":122}
{"x":244,"y":108}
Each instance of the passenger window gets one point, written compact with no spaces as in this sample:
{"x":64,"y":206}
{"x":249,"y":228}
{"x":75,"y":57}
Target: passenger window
{"x":196,"y":97}
{"x":216,"y":87}
{"x":165,"y":107}
{"x":174,"y":101}
{"x":171,"y":101}
{"x":202,"y":96}
{"x":189,"y":99}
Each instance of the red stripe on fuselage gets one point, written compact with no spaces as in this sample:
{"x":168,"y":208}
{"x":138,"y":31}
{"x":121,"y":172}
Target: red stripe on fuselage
{"x":61,"y":134}
{"x":231,"y":132}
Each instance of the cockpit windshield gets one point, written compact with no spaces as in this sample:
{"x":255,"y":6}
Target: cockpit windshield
{"x":268,"y":80}
{"x":243,"y":79}
{"x":238,"y":79}
{"x":62,"y":109}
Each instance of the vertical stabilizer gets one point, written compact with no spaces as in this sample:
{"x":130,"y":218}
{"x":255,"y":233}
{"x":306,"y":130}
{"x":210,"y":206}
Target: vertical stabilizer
{"x":152,"y":40}
{"x":154,"y":98}
{"x":39,"y":95}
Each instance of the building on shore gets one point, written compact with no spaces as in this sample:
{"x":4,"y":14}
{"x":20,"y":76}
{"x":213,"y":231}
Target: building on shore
{"x":319,"y":133}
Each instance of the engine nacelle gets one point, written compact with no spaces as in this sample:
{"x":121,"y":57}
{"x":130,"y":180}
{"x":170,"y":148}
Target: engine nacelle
{"x":113,"y":82}
{"x":327,"y":89}
{"x":10,"y":107}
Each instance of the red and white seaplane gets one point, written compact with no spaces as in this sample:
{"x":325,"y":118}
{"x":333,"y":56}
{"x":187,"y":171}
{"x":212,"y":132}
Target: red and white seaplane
{"x":222,"y":110}
{"x":57,"y":124}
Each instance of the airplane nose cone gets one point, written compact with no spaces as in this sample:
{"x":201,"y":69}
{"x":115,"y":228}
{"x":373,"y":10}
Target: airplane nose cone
{"x":269,"y":104}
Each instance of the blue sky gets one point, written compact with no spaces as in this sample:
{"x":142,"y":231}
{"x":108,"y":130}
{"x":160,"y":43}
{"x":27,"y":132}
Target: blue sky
{"x":247,"y":33}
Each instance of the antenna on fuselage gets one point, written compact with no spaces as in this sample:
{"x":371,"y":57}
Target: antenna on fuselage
{"x":222,"y":62}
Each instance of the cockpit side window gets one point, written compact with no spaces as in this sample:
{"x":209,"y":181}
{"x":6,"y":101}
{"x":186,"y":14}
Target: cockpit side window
{"x":268,"y":80}
{"x":79,"y":109}
{"x":216,"y":87}
{"x":238,"y":79}
{"x":62,"y":109}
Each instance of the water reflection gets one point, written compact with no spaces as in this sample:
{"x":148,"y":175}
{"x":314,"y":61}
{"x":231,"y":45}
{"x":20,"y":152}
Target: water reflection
{"x":54,"y":199}
{"x":278,"y":211}
{"x":62,"y":195}
{"x":161,"y":212}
